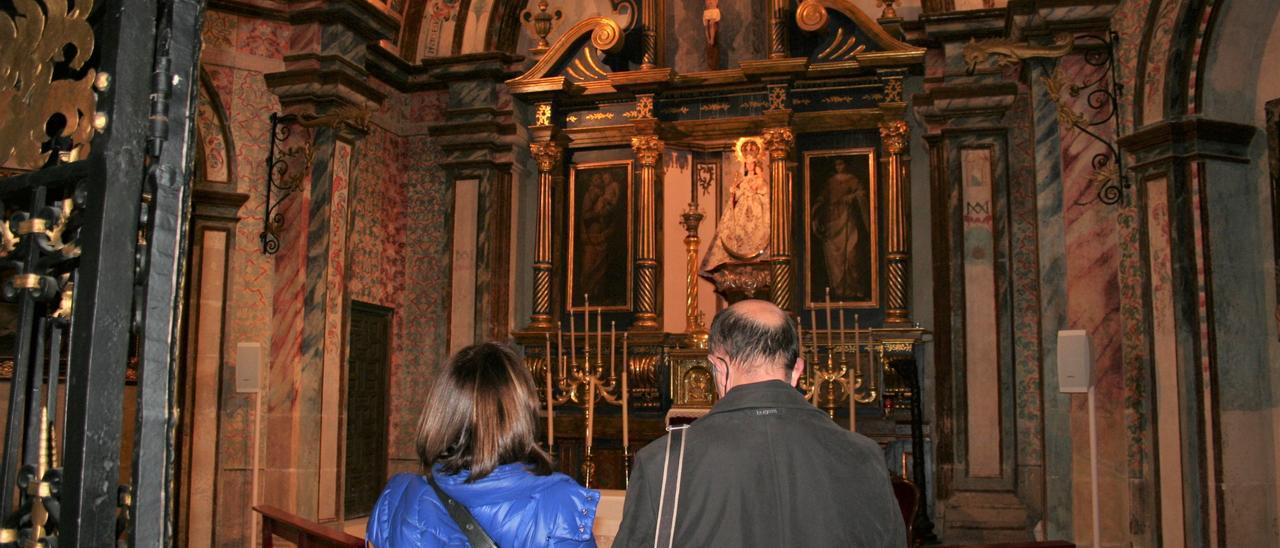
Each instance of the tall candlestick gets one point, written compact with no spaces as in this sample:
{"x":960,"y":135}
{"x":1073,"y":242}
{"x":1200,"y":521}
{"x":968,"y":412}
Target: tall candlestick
{"x":551,"y":404}
{"x":613,"y":349}
{"x":586,"y":333}
{"x":626,"y":424}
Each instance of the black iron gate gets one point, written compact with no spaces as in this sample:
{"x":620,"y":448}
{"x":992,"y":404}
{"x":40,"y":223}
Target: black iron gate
{"x":96,"y":99}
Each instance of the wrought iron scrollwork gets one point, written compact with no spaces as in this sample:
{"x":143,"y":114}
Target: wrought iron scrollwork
{"x":282,"y":180}
{"x":284,"y":174}
{"x":1102,"y":94}
{"x":41,"y":251}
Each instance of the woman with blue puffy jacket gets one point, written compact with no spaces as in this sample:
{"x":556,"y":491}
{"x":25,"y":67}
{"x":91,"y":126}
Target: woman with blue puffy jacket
{"x":476,"y":441}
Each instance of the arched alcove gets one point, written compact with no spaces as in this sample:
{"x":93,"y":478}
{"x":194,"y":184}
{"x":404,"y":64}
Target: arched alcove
{"x":1230,"y":78}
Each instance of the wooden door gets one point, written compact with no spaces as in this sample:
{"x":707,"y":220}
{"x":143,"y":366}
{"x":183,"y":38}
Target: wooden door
{"x":368,"y":358}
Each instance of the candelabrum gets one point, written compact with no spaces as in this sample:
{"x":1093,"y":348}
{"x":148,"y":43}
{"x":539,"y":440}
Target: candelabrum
{"x":839,"y":376}
{"x":587,"y":383}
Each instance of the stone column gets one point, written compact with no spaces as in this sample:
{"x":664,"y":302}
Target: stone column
{"x":648,"y":149}
{"x":325,"y":86}
{"x":778,"y":142}
{"x":893,"y":135}
{"x":548,"y":155}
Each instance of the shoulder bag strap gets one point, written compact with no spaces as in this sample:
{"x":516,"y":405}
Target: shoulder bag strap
{"x":669,"y":500}
{"x":466,"y":522}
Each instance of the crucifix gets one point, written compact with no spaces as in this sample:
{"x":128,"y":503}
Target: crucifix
{"x":711,"y":22}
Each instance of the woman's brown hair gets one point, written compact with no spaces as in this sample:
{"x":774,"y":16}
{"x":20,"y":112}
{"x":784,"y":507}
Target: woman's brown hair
{"x":482,"y":412}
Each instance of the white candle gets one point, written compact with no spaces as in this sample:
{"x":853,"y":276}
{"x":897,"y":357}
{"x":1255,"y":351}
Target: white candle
{"x":857,"y":344}
{"x":560,"y":347}
{"x":853,"y":402}
{"x":626,"y":424}
{"x":844,"y":354}
{"x":551,"y":404}
{"x":613,"y":349}
{"x":586,"y":332}
{"x":573,"y":346}
{"x":829,"y":325}
{"x":599,"y":340}
{"x":800,"y":334}
{"x":813,"y":333}
{"x":590,"y":406}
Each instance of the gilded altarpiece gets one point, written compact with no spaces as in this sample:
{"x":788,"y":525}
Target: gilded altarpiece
{"x":802,"y":134}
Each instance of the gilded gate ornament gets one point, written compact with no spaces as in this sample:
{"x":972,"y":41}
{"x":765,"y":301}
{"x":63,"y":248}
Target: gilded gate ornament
{"x":33,"y":40}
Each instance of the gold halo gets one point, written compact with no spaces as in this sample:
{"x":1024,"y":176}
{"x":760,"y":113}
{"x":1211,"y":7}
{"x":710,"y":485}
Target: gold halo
{"x":742,"y":141}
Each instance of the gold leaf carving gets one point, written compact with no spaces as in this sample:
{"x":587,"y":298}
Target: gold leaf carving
{"x":543,"y":115}
{"x":32,"y":41}
{"x":1008,"y":52}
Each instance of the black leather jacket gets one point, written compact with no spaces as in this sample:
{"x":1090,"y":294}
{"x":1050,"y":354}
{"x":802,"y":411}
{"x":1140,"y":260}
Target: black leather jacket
{"x":766,"y":468}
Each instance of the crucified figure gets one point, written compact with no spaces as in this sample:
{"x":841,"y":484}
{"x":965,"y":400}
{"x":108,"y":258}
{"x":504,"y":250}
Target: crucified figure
{"x":711,"y":23}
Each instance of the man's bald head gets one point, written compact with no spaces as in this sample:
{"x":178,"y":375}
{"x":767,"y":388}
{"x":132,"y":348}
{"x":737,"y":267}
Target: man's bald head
{"x":753,"y":335}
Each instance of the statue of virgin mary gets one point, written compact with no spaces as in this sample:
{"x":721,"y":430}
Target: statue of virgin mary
{"x":743,"y":232}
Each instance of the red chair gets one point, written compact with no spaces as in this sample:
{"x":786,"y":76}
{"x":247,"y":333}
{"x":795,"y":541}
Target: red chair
{"x":908,"y":502}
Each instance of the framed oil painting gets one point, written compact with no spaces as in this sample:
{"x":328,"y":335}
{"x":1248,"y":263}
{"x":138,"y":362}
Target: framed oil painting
{"x":841,"y":228}
{"x":600,"y":229}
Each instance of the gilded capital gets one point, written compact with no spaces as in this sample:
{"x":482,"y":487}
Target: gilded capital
{"x":894,"y":135}
{"x":547,"y":154}
{"x":647,"y":149}
{"x":778,"y":141}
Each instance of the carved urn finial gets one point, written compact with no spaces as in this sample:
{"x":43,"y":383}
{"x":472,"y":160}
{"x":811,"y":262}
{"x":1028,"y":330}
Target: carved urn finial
{"x":540,"y":23}
{"x":889,"y":12}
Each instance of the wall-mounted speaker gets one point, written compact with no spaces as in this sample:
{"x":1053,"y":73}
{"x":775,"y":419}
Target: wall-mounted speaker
{"x":248,"y":364}
{"x":1075,"y":362}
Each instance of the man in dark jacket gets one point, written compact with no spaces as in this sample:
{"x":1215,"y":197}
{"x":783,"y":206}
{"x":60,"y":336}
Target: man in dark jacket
{"x":764,"y":467}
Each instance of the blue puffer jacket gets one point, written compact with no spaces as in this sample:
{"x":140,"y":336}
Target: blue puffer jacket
{"x":516,"y":508}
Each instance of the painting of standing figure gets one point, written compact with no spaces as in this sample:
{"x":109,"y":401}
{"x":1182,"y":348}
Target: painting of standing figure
{"x":600,"y":236}
{"x":841,"y":228}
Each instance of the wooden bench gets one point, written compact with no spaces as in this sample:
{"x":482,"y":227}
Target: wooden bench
{"x":302,"y":532}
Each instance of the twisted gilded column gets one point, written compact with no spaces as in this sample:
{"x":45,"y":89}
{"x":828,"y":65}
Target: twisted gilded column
{"x":647,"y":148}
{"x":779,"y":14}
{"x":547,"y":154}
{"x":893,"y":135}
{"x":649,"y":17}
{"x":691,"y":218}
{"x":778,"y":142}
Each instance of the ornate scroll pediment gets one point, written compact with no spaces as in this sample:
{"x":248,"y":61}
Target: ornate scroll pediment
{"x":841,"y":33}
{"x":576,"y":58}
